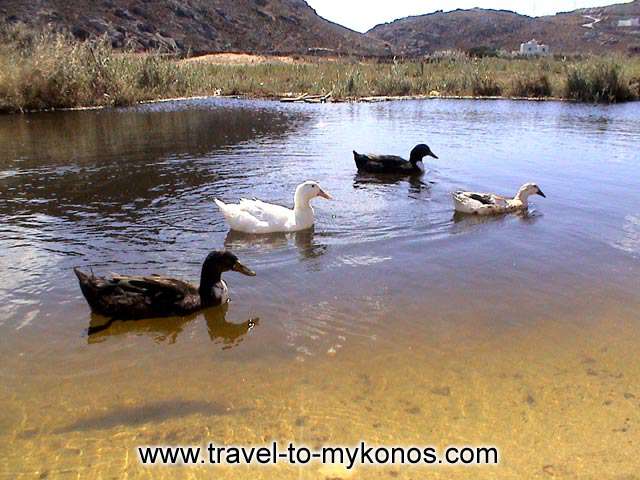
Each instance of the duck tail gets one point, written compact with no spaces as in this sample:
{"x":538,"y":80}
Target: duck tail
{"x":82,"y":277}
{"x":224,"y":208}
{"x":88,"y":286}
{"x":360,"y":160}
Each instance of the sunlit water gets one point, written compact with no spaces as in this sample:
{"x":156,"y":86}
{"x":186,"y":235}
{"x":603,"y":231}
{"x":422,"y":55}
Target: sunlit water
{"x":393,"y":322}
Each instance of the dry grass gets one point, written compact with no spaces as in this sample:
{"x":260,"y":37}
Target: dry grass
{"x":49,"y":70}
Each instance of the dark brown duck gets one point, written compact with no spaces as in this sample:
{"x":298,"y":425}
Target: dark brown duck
{"x":135,"y":297}
{"x":392,"y":163}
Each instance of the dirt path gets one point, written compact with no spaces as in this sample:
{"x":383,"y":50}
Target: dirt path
{"x":242,"y":59}
{"x":594,"y":21}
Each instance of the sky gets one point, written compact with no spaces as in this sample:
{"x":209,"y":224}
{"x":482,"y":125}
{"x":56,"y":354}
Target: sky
{"x":361,"y":15}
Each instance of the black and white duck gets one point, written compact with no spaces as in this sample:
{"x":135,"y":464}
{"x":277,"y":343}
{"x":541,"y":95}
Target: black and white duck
{"x":393,"y":163}
{"x":136,"y":297}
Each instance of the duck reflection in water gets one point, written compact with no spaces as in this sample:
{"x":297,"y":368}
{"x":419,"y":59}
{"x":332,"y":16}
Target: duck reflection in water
{"x":304,"y":241}
{"x":168,"y":329}
{"x":416,"y":184}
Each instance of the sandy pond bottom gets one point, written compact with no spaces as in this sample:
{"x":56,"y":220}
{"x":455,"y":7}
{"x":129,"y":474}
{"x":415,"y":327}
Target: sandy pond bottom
{"x":559,"y":400}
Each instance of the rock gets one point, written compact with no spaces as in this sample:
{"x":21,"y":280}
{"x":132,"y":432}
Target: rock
{"x":146,"y":27}
{"x":123,"y":13}
{"x":442,"y":391}
{"x":116,"y":38}
{"x":100,"y":26}
{"x":181,"y":12}
{"x":208,"y":31}
{"x":138,"y":11}
{"x":289,"y":19}
{"x":80,"y":33}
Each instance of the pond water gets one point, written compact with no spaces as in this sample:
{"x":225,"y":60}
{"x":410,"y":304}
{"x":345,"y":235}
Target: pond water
{"x":394,"y":321}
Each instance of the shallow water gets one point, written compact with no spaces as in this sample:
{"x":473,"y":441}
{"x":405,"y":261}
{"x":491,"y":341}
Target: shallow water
{"x":393,"y":322}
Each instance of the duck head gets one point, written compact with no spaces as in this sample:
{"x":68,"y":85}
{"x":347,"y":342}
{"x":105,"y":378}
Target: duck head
{"x":224,"y":261}
{"x":421,"y":151}
{"x":307,"y":191}
{"x":527,"y":190}
{"x":216,"y":263}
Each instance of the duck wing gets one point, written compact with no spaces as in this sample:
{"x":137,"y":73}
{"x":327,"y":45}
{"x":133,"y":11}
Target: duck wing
{"x":389,"y":160}
{"x":482,"y":198}
{"x":128,"y":297}
{"x":267,"y":212}
{"x":381,"y":163}
{"x":255,"y":216}
{"x":480,"y":203}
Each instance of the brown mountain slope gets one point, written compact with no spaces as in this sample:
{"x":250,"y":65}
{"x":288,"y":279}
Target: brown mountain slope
{"x":464,"y":29}
{"x":459,"y":29}
{"x":277,"y":26}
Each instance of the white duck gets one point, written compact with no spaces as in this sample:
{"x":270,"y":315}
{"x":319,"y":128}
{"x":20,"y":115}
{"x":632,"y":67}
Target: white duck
{"x":491,"y":204}
{"x":255,"y":216}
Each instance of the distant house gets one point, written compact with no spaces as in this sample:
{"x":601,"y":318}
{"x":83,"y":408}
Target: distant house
{"x":629,"y":22}
{"x":532,"y":48}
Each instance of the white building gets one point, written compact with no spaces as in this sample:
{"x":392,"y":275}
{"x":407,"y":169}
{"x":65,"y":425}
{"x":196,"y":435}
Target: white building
{"x":532,"y":47}
{"x":629,"y":22}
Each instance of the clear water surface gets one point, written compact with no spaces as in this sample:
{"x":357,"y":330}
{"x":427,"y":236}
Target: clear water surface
{"x":394,"y":321}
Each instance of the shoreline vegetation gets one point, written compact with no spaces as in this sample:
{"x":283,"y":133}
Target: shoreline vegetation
{"x":47,"y":71}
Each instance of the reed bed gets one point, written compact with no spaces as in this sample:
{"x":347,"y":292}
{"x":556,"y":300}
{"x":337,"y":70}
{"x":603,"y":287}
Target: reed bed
{"x":47,"y":70}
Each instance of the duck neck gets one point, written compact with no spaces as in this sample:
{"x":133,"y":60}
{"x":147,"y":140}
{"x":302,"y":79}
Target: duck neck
{"x":301,"y":204}
{"x":416,"y":161}
{"x":415,"y":156}
{"x":523,"y":197}
{"x":209,"y":277}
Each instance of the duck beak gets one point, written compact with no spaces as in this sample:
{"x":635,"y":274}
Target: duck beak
{"x":541,"y":193}
{"x":240,"y":268}
{"x":431,"y":154}
{"x":324,"y":194}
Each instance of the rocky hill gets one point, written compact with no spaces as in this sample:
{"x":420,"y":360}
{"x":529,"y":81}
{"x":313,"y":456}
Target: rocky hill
{"x":292,"y":26}
{"x":265,"y":26}
{"x":594,"y":30}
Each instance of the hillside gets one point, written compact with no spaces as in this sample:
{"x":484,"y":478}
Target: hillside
{"x":265,"y":26}
{"x":293,"y":27}
{"x":593,"y":30}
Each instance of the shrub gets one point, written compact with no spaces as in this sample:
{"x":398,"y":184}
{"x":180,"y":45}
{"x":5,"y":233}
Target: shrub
{"x":482,"y":52}
{"x":535,"y":86}
{"x":485,"y":86}
{"x":601,"y":82}
{"x":635,"y":87}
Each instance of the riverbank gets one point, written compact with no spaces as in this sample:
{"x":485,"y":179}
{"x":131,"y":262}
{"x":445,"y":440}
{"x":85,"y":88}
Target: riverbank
{"x":374,"y":99}
{"x":52,"y":71}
